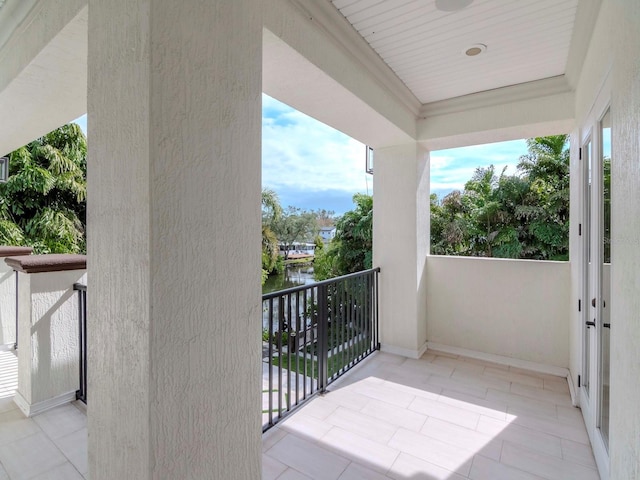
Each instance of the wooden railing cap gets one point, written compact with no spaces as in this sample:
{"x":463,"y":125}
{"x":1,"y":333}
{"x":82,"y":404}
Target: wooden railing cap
{"x":56,"y":262}
{"x":8,"y":251}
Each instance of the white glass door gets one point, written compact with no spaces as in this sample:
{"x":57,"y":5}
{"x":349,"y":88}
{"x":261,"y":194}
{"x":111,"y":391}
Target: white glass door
{"x":596,"y":301}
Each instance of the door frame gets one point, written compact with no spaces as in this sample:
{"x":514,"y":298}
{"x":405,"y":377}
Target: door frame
{"x":590,"y":277}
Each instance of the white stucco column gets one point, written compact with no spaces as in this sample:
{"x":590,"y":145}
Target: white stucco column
{"x":625,"y":214}
{"x":401,"y":244}
{"x":173,"y":217}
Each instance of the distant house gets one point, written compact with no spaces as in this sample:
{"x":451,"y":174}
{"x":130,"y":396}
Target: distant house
{"x":327,"y":234}
{"x":297,"y":250}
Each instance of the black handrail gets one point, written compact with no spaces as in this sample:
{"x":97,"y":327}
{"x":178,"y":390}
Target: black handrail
{"x":300,"y":288}
{"x":312,"y":335}
{"x":81,"y":393}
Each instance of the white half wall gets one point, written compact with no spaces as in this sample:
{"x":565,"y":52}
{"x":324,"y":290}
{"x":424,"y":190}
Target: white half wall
{"x":48,"y":355}
{"x":7,"y":305}
{"x":513,"y":308}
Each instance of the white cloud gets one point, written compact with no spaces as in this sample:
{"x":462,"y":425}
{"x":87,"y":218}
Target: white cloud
{"x":300,"y":152}
{"x":451,"y":169}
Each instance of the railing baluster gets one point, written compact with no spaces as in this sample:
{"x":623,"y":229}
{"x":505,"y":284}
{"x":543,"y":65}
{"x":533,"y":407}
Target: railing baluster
{"x":314,"y":341}
{"x":305,"y":326}
{"x":322,"y":338}
{"x":343,"y":325}
{"x":297,"y":347}
{"x":280,"y":330}
{"x":289,"y":330}
{"x":270,"y":363}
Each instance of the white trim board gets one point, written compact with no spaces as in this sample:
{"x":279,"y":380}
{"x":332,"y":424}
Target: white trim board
{"x":31,"y":410}
{"x":501,"y":359}
{"x":404,"y":352}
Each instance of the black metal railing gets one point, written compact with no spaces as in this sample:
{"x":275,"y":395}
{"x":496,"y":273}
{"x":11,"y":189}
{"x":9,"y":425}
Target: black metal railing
{"x":81,"y":393}
{"x":312,"y":335}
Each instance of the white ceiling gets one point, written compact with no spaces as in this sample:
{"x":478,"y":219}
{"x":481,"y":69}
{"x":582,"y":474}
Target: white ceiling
{"x":526,"y":40}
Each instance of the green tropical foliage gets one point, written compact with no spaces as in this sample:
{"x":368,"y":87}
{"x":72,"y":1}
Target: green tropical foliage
{"x":271,"y":212}
{"x":510,"y":216}
{"x":43,"y":203}
{"x":351,"y":250}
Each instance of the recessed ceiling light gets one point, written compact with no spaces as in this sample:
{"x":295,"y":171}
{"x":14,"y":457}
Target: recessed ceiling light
{"x":475,"y":50}
{"x":452,"y":5}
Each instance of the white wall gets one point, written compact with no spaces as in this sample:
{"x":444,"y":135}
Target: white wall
{"x":7,"y":304}
{"x":513,"y":308}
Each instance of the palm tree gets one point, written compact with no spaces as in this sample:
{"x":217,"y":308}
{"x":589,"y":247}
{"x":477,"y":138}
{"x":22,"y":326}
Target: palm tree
{"x":43,"y":204}
{"x":546,"y":206}
{"x":271,"y":212}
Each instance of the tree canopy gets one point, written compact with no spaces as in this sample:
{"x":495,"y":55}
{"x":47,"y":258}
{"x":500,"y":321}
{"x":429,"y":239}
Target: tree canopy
{"x":351,"y":250}
{"x":511,"y":216}
{"x":43,"y":203}
{"x":294,"y":225}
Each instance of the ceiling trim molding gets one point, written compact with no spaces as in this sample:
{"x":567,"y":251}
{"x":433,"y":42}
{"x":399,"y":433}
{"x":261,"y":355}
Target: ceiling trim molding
{"x":337,"y":27}
{"x":532,"y":117}
{"x":498,"y":96}
{"x":586,"y":18}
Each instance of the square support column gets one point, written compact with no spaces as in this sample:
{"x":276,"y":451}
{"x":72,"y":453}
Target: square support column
{"x":401,"y":245}
{"x":174,"y":333}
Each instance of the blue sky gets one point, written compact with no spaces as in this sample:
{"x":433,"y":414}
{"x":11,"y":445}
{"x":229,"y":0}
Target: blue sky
{"x":312,"y":166}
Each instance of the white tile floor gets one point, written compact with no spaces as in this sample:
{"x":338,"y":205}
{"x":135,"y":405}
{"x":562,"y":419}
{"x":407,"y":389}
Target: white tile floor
{"x":440,"y":417}
{"x":51,"y":446}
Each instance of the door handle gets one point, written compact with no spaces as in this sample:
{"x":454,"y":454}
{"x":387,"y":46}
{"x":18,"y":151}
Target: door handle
{"x":590,"y":324}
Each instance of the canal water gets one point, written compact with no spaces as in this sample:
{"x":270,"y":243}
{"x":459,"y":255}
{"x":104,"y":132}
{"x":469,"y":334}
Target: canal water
{"x":291,"y":277}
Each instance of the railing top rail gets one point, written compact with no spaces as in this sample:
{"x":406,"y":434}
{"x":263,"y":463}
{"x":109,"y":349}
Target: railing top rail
{"x":330,"y":281}
{"x":79,"y":286}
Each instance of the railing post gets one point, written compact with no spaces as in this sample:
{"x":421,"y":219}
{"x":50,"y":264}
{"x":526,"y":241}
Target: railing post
{"x":81,"y":394}
{"x":323,"y":339}
{"x":375,"y":317}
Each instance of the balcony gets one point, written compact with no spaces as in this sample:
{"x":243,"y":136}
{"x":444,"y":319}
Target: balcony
{"x":439,"y":417}
{"x":503,"y":410}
